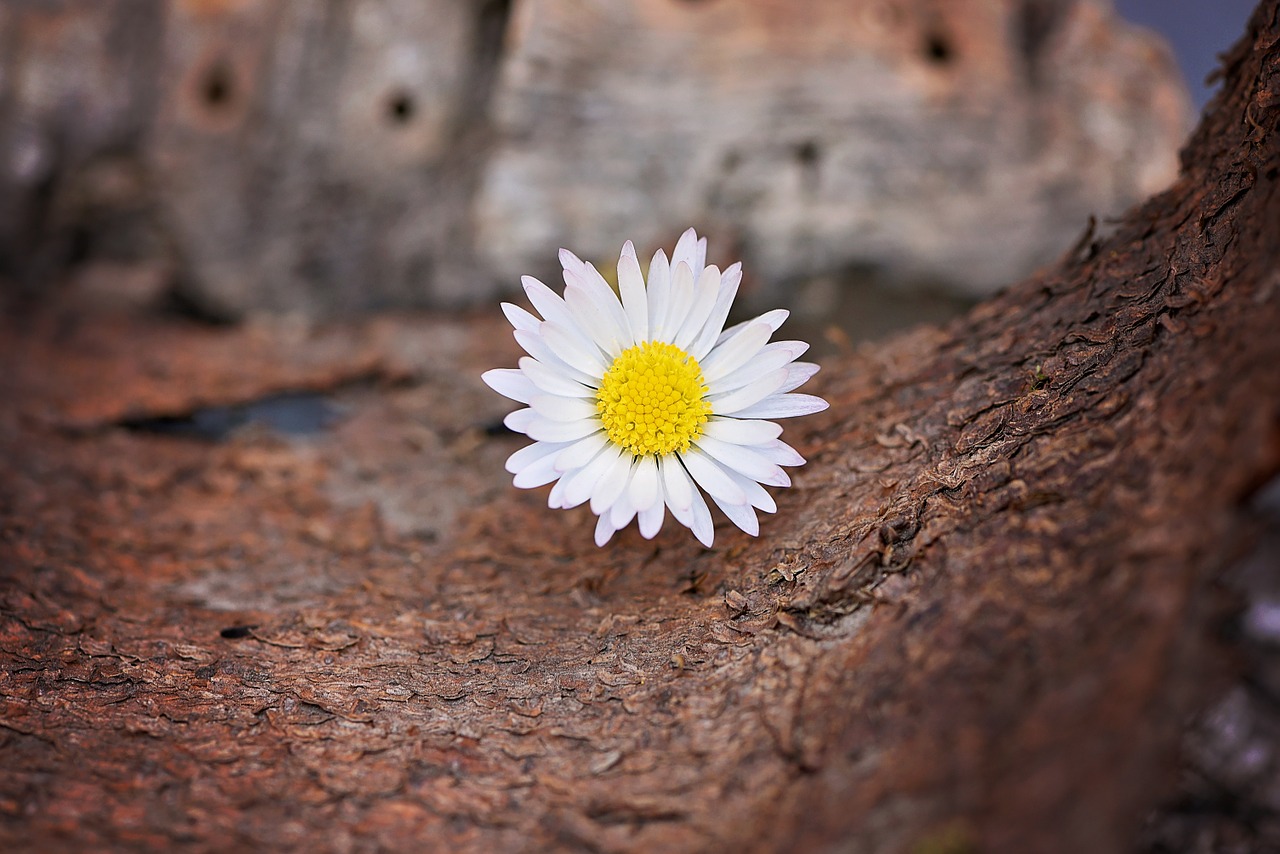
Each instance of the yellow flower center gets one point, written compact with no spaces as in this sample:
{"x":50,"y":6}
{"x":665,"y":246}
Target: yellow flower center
{"x":650,"y":399}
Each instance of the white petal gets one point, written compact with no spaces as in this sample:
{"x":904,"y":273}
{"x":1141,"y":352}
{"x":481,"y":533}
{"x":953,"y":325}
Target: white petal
{"x":538,"y":473}
{"x":741,"y":515}
{"x":705,"y":292}
{"x":519,"y":318}
{"x":735,"y":352}
{"x":602,"y":295}
{"x":659,"y":294}
{"x":588,"y":318}
{"x":740,"y":432}
{"x":644,"y":483}
{"x":781,"y":453}
{"x":536,"y":347}
{"x":631,"y":286}
{"x":604,"y":530}
{"x":545,"y":300}
{"x":796,"y":348}
{"x":784,"y":406}
{"x":582,"y":482}
{"x":551,"y":381}
{"x":579,"y":453}
{"x":735,"y":401}
{"x":770,"y":358}
{"x":570,"y":262}
{"x":562,"y":408}
{"x":683,"y":515}
{"x":773,"y":319}
{"x":599,"y":286}
{"x":743,"y":460}
{"x":622,"y":512}
{"x":729,"y":281}
{"x":651,"y":520}
{"x":757,"y":496}
{"x":532,"y":453}
{"x":680,"y":302}
{"x":710,"y":477}
{"x":520,"y":420}
{"x":700,"y":254}
{"x":613,"y":484}
{"x":676,"y":484}
{"x":686,"y":250}
{"x":546,"y":430}
{"x":511,"y":383}
{"x":574,"y":350}
{"x":702,"y":526}
{"x":555,"y":499}
{"x":798,"y":374}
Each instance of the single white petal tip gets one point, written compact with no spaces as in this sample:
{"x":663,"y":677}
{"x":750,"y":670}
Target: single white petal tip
{"x":642,"y":405}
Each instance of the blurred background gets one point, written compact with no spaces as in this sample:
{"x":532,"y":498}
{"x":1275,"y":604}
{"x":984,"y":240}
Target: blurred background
{"x":1197,"y":30}
{"x":873,"y":163}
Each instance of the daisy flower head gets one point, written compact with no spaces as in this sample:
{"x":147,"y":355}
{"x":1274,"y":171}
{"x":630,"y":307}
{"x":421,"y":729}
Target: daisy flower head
{"x":639,"y":405}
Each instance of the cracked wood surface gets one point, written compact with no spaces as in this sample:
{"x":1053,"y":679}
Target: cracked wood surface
{"x":979,"y":619}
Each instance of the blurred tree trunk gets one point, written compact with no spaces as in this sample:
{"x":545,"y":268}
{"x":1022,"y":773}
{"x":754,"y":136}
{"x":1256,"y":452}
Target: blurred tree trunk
{"x":335,"y":157}
{"x":977,"y":623}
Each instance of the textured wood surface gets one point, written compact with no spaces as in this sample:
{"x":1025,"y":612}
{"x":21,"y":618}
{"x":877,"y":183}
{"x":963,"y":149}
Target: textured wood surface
{"x":333,"y":156}
{"x":978,"y":621}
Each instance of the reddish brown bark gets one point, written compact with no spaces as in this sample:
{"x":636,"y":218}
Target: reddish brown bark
{"x":978,"y":621}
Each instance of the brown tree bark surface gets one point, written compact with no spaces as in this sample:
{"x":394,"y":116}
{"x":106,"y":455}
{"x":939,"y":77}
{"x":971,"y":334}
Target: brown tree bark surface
{"x":977,"y":623}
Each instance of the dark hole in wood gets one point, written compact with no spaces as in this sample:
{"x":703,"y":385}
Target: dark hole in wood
{"x":938,"y":49}
{"x":400,"y":108}
{"x":807,"y":153}
{"x":218,"y":87}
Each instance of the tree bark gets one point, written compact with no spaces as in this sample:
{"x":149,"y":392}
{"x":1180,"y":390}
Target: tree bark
{"x":978,"y":622}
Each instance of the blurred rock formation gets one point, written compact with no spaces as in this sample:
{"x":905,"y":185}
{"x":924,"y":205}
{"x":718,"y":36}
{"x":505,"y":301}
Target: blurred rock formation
{"x":349,"y":155}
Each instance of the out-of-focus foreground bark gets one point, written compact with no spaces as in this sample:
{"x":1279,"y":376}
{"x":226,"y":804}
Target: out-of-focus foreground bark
{"x":978,"y":621}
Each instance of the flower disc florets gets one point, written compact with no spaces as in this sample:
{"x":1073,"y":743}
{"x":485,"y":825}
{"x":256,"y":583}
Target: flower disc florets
{"x":650,"y":399}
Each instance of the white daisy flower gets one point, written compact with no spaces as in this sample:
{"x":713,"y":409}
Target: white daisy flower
{"x":639,"y":406}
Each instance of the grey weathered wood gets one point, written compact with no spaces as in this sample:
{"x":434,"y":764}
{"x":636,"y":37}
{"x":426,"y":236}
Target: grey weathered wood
{"x":957,"y":141}
{"x":334,"y":156}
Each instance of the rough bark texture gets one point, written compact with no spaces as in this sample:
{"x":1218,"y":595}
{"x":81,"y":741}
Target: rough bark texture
{"x":977,"y":623}
{"x":347,"y":155}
